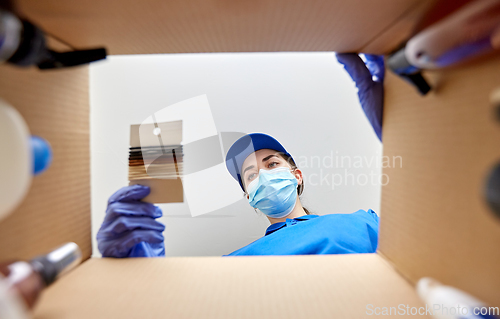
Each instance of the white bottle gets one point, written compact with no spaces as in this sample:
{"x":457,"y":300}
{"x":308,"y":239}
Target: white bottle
{"x":446,"y":302}
{"x":16,"y":162}
{"x":472,"y":30}
{"x":11,"y":304}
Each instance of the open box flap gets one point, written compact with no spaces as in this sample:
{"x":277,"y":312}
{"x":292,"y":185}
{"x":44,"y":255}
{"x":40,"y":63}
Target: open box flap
{"x":55,"y":106}
{"x":434,"y":218}
{"x":333,"y":286}
{"x":154,"y":26}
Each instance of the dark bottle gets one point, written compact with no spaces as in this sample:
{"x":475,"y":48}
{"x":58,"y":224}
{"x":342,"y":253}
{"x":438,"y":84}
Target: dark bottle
{"x":29,"y":278}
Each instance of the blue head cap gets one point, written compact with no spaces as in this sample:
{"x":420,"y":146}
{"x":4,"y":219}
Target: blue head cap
{"x":245,"y":146}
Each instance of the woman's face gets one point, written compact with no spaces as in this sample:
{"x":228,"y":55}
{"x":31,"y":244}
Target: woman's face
{"x":266,"y":159}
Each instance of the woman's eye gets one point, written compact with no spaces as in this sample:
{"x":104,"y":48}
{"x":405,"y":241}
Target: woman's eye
{"x":273,"y":164}
{"x":251,"y":176}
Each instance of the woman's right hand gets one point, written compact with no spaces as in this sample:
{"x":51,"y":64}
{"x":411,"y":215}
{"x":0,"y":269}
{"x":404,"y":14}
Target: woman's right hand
{"x":129,"y":228}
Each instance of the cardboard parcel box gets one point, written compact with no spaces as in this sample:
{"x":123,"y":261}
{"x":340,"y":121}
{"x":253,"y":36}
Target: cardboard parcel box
{"x":434,"y":221}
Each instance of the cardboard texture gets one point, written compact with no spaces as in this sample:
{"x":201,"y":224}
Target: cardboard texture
{"x":152,"y":26}
{"x":335,"y":286}
{"x":435,"y":221}
{"x":413,"y":20}
{"x":162,"y":190}
{"x":400,"y":30}
{"x":56,"y":210}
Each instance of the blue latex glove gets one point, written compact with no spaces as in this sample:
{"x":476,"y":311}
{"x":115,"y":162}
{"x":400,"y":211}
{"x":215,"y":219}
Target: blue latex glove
{"x":129,"y":228}
{"x":369,"y":79}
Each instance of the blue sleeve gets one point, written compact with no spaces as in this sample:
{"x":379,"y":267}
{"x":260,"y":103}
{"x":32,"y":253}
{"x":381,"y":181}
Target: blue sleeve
{"x":372,"y":225}
{"x":373,"y":215}
{"x":327,"y":234}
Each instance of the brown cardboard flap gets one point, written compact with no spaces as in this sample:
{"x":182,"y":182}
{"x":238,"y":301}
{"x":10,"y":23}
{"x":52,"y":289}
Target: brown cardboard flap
{"x":162,"y":190}
{"x":434,"y":219}
{"x":154,"y":26}
{"x":55,"y":104}
{"x":400,"y":31}
{"x":328,"y":286}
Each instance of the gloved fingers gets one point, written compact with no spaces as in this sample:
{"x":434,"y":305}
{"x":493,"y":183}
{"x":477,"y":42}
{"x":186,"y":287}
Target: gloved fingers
{"x":124,"y":224}
{"x":374,"y":112}
{"x":376,"y":66}
{"x":372,"y":103}
{"x":132,"y":209}
{"x":357,"y":69}
{"x":122,"y":246}
{"x":144,"y":249}
{"x":129,"y":193}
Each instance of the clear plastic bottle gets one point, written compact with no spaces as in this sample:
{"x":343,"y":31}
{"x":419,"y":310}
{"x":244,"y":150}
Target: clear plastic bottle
{"x":27,"y":279}
{"x":451,"y":303}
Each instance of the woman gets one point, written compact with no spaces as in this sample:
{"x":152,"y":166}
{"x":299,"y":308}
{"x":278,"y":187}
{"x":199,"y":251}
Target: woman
{"x":272,"y":182}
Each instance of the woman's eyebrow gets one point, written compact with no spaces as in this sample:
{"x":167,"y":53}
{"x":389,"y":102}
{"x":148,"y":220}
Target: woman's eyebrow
{"x":246,"y":169}
{"x":263,"y":160}
{"x":268,"y":157}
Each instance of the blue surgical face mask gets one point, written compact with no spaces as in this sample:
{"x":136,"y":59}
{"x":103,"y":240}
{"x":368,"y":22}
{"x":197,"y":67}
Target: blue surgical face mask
{"x":274,"y":192}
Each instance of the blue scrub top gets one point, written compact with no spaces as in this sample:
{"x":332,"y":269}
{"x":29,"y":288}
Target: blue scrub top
{"x":313,"y":234}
